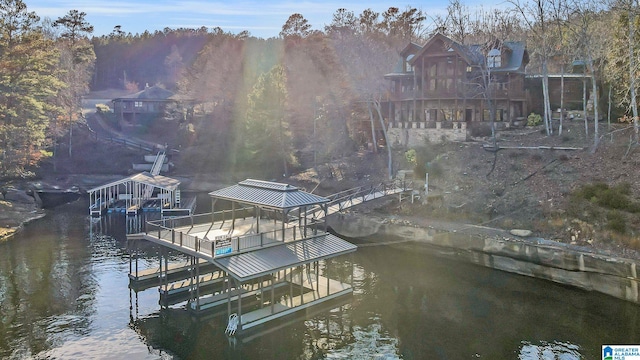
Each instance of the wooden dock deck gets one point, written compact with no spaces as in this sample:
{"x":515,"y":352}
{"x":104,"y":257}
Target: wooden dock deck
{"x":315,"y":291}
{"x":315,"y":295}
{"x":147,"y":278}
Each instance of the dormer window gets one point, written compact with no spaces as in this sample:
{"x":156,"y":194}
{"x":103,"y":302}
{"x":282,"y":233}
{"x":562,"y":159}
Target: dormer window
{"x":408,"y":64}
{"x":494,"y":58}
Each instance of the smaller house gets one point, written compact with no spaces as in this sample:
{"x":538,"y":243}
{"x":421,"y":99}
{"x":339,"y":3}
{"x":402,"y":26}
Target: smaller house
{"x":142,"y":106}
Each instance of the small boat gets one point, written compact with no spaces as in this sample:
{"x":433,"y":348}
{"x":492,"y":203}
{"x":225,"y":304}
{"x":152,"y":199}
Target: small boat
{"x":54,"y":196}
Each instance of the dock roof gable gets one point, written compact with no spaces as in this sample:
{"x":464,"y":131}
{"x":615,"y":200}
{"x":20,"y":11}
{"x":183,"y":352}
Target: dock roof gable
{"x":268,"y":194}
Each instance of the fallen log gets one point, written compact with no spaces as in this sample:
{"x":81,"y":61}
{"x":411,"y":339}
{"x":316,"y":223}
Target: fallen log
{"x":500,"y":147}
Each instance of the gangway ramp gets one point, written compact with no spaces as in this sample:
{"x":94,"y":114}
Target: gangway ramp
{"x":358,"y":195}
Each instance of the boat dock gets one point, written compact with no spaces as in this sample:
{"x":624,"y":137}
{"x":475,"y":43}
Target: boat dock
{"x":141,"y":192}
{"x":146,"y":191}
{"x":271,"y":259}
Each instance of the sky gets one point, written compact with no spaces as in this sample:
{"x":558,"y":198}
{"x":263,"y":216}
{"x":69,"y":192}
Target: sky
{"x":261,"y":18}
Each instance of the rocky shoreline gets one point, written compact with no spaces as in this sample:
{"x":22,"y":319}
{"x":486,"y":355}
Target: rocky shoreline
{"x":17,"y":208}
{"x":576,"y":266}
{"x":562,"y":263}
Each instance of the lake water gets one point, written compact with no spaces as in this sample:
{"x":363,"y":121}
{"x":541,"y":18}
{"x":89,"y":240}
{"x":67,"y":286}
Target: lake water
{"x":64,"y":295}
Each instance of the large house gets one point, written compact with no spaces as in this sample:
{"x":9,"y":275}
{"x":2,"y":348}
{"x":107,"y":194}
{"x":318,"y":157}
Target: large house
{"x":442,"y":86}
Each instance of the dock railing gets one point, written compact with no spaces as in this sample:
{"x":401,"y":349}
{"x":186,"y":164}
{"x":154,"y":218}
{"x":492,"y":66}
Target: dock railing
{"x":176,"y":231}
{"x":348,"y":198}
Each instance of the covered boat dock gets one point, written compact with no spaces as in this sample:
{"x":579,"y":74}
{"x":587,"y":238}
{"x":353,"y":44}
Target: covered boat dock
{"x":274,"y":260}
{"x":140,"y":192}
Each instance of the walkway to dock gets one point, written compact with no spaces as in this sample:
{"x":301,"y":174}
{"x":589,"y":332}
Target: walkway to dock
{"x":348,"y":198}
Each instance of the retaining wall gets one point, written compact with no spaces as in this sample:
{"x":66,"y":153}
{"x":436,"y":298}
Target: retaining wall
{"x":539,"y":258}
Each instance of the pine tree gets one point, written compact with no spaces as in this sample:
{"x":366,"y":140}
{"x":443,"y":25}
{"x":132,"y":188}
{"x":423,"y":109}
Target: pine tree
{"x":28,"y":61}
{"x":268,"y":141}
{"x":76,"y":65}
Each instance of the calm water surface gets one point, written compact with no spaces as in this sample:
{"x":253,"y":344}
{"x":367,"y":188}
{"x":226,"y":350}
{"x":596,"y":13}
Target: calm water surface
{"x":64,"y":295}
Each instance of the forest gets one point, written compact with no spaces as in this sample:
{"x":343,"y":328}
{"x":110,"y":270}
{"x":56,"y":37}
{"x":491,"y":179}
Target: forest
{"x":271,"y":105}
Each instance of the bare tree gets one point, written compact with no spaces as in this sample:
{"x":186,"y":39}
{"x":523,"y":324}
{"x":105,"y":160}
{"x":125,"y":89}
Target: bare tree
{"x":623,"y":56}
{"x":536,"y":15}
{"x":560,"y":14}
{"x":590,"y":40}
{"x":458,"y":21}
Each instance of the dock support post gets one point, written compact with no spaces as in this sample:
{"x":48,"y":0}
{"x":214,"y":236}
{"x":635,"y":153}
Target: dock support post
{"x":160,"y":261}
{"x":136,"y":252}
{"x":198,"y":285}
{"x":227,"y":283}
{"x":272,"y":294}
{"x":192,"y":260}
{"x":302,"y":284}
{"x":166,"y":274}
{"x":239,"y":286}
{"x":261,"y":292}
{"x":326,"y":265}
{"x":290,"y":285}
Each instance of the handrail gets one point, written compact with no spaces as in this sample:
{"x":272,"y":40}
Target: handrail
{"x":225,"y":245}
{"x":157,"y":164}
{"x":344,"y":199}
{"x":228,"y":245}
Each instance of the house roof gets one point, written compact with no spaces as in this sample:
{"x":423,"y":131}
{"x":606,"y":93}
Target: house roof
{"x":150,"y":93}
{"x":472,"y":54}
{"x":264,"y":261}
{"x":268,"y":194}
{"x":518,"y":59}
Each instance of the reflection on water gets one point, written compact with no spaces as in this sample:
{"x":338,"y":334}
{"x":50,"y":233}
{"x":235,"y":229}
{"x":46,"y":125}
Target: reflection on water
{"x":556,"y":350}
{"x":64,"y":294}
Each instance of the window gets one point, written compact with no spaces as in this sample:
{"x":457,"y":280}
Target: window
{"x":486,"y":115}
{"x":408,"y":65}
{"x":494,"y":58}
{"x":137,"y":104}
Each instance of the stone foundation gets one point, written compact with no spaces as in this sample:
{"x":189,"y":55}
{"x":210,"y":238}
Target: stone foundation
{"x":412,"y":134}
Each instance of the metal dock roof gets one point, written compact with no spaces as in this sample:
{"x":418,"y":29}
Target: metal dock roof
{"x":268,"y":194}
{"x":264,"y":261}
{"x":145,"y":178}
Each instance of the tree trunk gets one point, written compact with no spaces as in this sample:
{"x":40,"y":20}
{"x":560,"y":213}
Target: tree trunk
{"x":373,"y":129}
{"x":609,"y":111}
{"x":594,"y":89}
{"x":70,"y":131}
{"x":545,"y":96}
{"x":584,"y":106}
{"x":561,"y":99}
{"x":386,"y":139}
{"x":632,"y":76}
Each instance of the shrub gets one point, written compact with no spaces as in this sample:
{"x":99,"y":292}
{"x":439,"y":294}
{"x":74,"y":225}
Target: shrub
{"x":616,"y":198}
{"x":592,"y":191}
{"x":616,"y":222}
{"x":411,"y":156}
{"x":534,"y":119}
